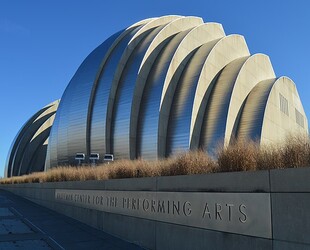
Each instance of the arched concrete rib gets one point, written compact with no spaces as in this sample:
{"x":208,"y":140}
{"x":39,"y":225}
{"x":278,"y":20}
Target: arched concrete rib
{"x":124,"y":98}
{"x":255,"y":69}
{"x":181,"y":108}
{"x":252,"y":114}
{"x":36,"y":142}
{"x":99,"y":74}
{"x":214,"y":121}
{"x":232,"y":87}
{"x":26,"y":133}
{"x":225,"y":51}
{"x":142,"y":22}
{"x":18,"y":137}
{"x":31,"y":152}
{"x":137,"y":38}
{"x":147,"y":129}
{"x":25,"y":141}
{"x":195,"y":38}
{"x":202,"y":34}
{"x":174,"y":27}
{"x":22,"y":145}
{"x":276,"y":123}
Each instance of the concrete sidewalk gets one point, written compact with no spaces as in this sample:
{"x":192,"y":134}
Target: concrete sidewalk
{"x":26,"y":225}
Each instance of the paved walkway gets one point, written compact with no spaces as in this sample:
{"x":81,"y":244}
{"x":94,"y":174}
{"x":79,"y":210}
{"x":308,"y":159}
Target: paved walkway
{"x":26,"y":225}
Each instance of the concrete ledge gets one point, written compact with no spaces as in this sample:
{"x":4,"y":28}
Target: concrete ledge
{"x":288,"y":202}
{"x":219,"y":182}
{"x":290,"y":180}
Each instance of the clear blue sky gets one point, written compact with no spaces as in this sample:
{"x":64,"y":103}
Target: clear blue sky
{"x":42,"y":43}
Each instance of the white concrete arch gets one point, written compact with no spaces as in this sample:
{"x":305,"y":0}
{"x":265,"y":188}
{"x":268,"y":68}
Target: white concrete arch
{"x":161,"y":21}
{"x":45,"y":125}
{"x":149,"y":26}
{"x":52,"y":107}
{"x":174,"y":27}
{"x":35,"y":142}
{"x":215,"y":115}
{"x":225,"y":51}
{"x":252,"y":113}
{"x":19,"y":148}
{"x":255,"y":69}
{"x":118,"y":39}
{"x":202,"y":34}
{"x":233,"y":85}
{"x":278,"y":120}
{"x":116,"y":42}
{"x":142,"y":22}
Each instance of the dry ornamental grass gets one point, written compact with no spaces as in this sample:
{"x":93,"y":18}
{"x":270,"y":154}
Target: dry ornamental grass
{"x":240,"y":156}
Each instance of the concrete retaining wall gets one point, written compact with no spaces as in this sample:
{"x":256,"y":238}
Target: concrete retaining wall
{"x":285,"y":191}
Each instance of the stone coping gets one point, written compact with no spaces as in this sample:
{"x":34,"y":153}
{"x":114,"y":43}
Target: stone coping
{"x":279,"y":180}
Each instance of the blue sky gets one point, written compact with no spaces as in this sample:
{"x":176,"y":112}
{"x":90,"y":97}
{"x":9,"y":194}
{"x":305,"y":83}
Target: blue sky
{"x":42,"y":43}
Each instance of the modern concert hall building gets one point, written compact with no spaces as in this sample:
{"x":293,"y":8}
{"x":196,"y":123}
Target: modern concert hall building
{"x":159,"y":87}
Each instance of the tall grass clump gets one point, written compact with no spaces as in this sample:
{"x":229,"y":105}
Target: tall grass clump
{"x":240,"y":156}
{"x":195,"y":162}
{"x":296,"y":152}
{"x":131,"y":169}
{"x":270,"y":157}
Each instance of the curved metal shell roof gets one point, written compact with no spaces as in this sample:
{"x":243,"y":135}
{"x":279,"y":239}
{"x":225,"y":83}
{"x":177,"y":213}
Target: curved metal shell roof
{"x":162,"y":86}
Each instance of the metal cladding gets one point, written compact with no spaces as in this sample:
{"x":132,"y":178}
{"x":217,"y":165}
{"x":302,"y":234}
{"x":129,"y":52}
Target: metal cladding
{"x":171,"y":84}
{"x":28,"y":150}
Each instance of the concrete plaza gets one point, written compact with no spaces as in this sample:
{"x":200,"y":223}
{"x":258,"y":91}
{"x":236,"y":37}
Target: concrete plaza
{"x":26,"y":225}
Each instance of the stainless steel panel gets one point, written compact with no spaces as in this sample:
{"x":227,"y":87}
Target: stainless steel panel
{"x":178,"y":135}
{"x":22,"y":142}
{"x":147,"y":134}
{"x":10,"y":157}
{"x":252,"y":116}
{"x":101,"y":96}
{"x":51,"y":155}
{"x":240,"y":213}
{"x":124,"y":97}
{"x":69,"y":137}
{"x":215,"y":117}
{"x":26,"y":128}
{"x":37,"y":163}
{"x":25,"y":142}
{"x":32,"y":150}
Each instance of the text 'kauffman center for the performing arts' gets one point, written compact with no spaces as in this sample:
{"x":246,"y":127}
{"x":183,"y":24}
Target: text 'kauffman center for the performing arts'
{"x":161,"y":86}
